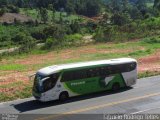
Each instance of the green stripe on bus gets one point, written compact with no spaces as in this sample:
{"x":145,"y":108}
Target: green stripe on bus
{"x":95,"y":84}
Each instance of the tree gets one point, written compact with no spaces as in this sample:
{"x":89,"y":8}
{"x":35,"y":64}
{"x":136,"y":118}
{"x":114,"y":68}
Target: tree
{"x":56,"y":31}
{"x":135,"y":13}
{"x":70,"y":8}
{"x":120,"y":18}
{"x":92,"y":8}
{"x":61,"y":18}
{"x":105,"y":20}
{"x":126,"y":5}
{"x":75,"y":27}
{"x":115,"y":6}
{"x":157,"y":4}
{"x":2,"y":11}
{"x":13,"y":8}
{"x":20,"y":3}
{"x":27,"y":44}
{"x":25,"y":41}
{"x":51,"y":7}
{"x":141,"y":5}
{"x":44,"y":15}
{"x":3,"y":3}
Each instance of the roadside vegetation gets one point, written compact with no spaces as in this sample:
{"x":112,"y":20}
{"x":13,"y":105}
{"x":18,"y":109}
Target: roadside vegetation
{"x":47,"y":32}
{"x":15,"y":70}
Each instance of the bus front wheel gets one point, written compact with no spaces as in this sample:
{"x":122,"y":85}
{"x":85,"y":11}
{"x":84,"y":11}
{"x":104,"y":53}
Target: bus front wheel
{"x":115,"y":87}
{"x":63,"y":96}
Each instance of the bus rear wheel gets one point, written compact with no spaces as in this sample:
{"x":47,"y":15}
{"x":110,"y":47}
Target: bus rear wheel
{"x":115,"y":87}
{"x":63,"y":96}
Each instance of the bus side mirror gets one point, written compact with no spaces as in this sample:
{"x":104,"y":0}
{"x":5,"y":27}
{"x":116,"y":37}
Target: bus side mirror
{"x":31,"y":76}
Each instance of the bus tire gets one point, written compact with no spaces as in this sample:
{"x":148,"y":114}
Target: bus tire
{"x":115,"y":87}
{"x":63,"y":96}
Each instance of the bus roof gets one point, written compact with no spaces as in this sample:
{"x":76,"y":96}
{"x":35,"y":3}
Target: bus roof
{"x":56,"y":68}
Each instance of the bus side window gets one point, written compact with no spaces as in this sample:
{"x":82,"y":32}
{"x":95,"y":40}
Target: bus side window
{"x":79,"y":74}
{"x":90,"y":73}
{"x":128,"y":67}
{"x":122,"y":68}
{"x":73,"y":75}
{"x":97,"y":71}
{"x":82,"y":74}
{"x":66,"y":76}
{"x":109,"y":70}
{"x":103,"y":71}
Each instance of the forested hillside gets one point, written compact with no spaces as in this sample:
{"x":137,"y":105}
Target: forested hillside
{"x":39,"y":33}
{"x":61,"y":23}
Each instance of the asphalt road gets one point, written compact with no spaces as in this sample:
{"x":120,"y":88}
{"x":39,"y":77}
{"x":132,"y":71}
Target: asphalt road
{"x":143,"y":98}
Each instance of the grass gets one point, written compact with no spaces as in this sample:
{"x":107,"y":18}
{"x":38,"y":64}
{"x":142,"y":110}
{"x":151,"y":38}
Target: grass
{"x":148,"y":74}
{"x":140,"y":53}
{"x":137,"y":50}
{"x":34,"y":13}
{"x":18,"y":94}
{"x":15,"y":84}
{"x":13,"y":67}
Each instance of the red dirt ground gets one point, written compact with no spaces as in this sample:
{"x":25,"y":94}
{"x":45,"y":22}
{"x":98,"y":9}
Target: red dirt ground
{"x":149,"y":63}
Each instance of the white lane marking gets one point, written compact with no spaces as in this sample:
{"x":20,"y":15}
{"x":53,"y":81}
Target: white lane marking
{"x":145,"y":110}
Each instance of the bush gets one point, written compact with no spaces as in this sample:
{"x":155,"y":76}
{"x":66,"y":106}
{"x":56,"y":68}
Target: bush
{"x":25,"y":41}
{"x":152,"y":40}
{"x":19,"y":38}
{"x":5,"y":41}
{"x":75,"y":27}
{"x":99,"y":35}
{"x":27,"y":44}
{"x":55,"y":31}
{"x":51,"y":43}
{"x":38,"y":34}
{"x":106,"y":34}
{"x":75,"y":39}
{"x":2,"y":11}
{"x":13,"y":9}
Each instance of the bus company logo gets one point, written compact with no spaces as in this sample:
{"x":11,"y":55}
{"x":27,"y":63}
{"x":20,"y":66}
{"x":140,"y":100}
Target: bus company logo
{"x":9,"y":117}
{"x":78,"y":83}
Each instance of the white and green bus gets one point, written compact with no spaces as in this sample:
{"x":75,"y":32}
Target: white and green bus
{"x":68,"y":80}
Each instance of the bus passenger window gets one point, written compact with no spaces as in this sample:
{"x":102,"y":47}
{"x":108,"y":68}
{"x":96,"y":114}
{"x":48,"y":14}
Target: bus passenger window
{"x":90,"y":73}
{"x":97,"y":72}
{"x":102,"y":71}
{"x":66,"y":76}
{"x":81,"y":74}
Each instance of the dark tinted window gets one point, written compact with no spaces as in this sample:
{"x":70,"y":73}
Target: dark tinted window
{"x":128,"y":67}
{"x":102,"y":71}
{"x":84,"y":73}
{"x":36,"y":87}
{"x":97,"y":71}
{"x":50,"y":82}
{"x":92,"y":72}
{"x":74,"y":75}
{"x":132,"y":66}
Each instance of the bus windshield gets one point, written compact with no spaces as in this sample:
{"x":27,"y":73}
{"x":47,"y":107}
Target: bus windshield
{"x":37,"y":88}
{"x":49,"y":82}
